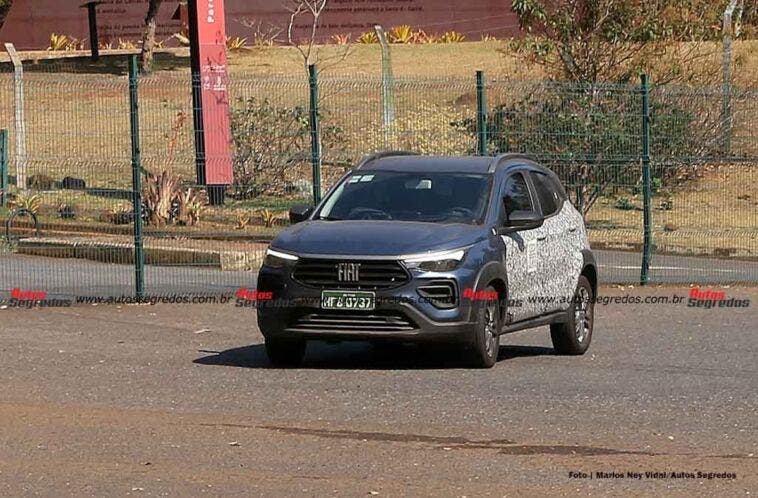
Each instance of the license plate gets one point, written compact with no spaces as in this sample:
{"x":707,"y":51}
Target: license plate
{"x":342,"y":300}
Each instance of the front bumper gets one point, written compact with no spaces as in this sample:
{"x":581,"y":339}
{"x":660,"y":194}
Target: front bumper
{"x":400,"y":314}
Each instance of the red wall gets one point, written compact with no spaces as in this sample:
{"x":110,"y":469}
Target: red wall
{"x":30,"y":22}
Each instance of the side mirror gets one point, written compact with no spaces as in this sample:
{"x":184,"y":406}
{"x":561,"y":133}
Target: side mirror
{"x":300,"y":212}
{"x":522,"y":220}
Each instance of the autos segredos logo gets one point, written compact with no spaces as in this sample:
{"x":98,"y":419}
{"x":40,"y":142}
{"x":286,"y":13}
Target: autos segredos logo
{"x":348,"y":272}
{"x":714,"y":299}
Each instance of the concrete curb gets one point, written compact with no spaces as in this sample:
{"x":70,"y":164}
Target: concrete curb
{"x":123,"y":253}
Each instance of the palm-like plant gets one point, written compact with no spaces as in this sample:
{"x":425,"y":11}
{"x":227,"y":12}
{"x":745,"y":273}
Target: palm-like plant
{"x":401,"y":34}
{"x":159,"y":193}
{"x":31,"y":203}
{"x":368,"y":38}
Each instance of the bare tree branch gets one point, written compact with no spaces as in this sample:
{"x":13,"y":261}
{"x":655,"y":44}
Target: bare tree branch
{"x":309,"y":49}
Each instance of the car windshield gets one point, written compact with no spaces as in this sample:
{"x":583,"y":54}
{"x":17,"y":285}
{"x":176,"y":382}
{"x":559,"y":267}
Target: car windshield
{"x":409,"y":196}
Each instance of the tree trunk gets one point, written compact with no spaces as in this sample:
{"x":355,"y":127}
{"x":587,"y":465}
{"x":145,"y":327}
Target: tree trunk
{"x":5,"y":6}
{"x":148,"y":40}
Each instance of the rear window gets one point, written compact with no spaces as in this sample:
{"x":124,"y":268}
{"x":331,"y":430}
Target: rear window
{"x":547,"y":193}
{"x":516,"y":195}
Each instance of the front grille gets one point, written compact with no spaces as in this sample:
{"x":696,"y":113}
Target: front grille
{"x":440,"y":293}
{"x":352,"y":322}
{"x":323,"y":273}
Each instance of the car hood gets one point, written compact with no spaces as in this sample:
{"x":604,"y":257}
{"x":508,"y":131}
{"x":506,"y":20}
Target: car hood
{"x":375,"y":238}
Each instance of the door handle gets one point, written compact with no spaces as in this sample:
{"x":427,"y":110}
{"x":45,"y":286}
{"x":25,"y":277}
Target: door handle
{"x":542,"y":236}
{"x":572,"y":229}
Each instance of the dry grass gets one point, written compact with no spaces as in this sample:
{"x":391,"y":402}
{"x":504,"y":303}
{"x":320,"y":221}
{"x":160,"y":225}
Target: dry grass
{"x":422,"y":61}
{"x":717,"y":213}
{"x":453,"y":60}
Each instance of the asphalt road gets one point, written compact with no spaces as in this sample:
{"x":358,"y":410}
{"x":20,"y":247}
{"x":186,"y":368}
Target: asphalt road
{"x":66,"y":277}
{"x":180,"y":400}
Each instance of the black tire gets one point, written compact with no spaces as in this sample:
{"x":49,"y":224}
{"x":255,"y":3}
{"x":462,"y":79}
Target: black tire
{"x":285,"y":352}
{"x":568,"y":338}
{"x":486,"y":344}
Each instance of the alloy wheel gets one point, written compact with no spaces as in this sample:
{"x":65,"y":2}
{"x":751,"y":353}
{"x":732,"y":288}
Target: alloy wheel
{"x":490,"y":324}
{"x":582,"y":314}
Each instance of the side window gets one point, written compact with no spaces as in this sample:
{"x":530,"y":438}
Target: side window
{"x":516,"y":195}
{"x":546,"y":193}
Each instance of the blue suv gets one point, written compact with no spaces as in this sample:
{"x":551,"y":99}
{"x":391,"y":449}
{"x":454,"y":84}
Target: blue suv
{"x":414,"y":248}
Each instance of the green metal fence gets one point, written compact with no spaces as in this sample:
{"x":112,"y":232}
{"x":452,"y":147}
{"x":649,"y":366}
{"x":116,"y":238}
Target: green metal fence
{"x":701,"y":209}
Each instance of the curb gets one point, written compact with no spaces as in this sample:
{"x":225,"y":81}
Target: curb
{"x":122,"y":253}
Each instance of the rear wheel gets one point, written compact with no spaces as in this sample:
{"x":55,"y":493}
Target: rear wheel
{"x":487,"y":338}
{"x":285,"y":352}
{"x":574,"y":336}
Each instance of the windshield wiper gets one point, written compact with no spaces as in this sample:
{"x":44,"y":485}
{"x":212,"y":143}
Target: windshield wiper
{"x":329,"y":218}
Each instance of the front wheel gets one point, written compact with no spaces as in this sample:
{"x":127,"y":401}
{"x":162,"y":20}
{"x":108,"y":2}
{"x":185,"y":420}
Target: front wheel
{"x":574,"y":336}
{"x":487,"y":338}
{"x":285,"y":352}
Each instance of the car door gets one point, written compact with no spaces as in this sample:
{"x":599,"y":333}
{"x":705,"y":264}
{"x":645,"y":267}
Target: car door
{"x":557,"y":258}
{"x":520,"y":247}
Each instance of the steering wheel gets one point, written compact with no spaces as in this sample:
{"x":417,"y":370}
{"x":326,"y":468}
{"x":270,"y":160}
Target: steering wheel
{"x":369,"y":214}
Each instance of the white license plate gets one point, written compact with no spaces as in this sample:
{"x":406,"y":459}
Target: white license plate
{"x":348,"y":300}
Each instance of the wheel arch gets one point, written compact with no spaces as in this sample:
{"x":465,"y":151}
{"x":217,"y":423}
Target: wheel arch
{"x":494,"y":274}
{"x":589,"y":269}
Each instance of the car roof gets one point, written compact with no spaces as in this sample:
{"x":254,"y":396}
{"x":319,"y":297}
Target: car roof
{"x":429,"y":164}
{"x":408,"y":161}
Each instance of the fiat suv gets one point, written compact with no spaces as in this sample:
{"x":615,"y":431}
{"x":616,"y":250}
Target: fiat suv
{"x":414,"y":248}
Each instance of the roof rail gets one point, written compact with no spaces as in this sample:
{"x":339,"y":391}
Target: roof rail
{"x":380,"y":155}
{"x":497,"y":160}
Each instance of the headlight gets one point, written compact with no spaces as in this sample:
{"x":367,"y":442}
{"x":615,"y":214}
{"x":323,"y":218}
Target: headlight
{"x":276,"y":259}
{"x":435,"y":261}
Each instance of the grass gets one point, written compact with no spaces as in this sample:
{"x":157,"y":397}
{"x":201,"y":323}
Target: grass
{"x":725,"y":198}
{"x":442,"y":61}
{"x":458,"y":60}
{"x":78,"y":125}
{"x":714,"y":214}
{"x":408,"y":61}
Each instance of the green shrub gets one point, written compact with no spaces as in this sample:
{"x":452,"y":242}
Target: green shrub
{"x":40,"y":181}
{"x":656,"y":184}
{"x":270,"y":141}
{"x":590,"y":134}
{"x":624,"y":203}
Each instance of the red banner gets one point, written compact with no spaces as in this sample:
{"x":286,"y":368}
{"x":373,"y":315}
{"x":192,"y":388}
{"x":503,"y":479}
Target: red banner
{"x":214,"y":80}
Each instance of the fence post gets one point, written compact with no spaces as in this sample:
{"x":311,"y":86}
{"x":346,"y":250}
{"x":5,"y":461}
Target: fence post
{"x":139,"y":255}
{"x":315,"y":122}
{"x":646,"y":188}
{"x":20,"y":119}
{"x":3,"y":168}
{"x":388,"y":83}
{"x":728,"y":30}
{"x":481,"y":113}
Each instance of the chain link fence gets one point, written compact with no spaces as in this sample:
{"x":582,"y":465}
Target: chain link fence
{"x":76,"y":173}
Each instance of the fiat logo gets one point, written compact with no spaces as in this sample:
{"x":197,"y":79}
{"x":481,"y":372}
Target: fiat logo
{"x":348,"y":272}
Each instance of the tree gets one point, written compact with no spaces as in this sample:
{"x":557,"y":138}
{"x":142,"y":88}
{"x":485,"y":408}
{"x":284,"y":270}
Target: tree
{"x":588,"y":126}
{"x":148,"y":40}
{"x":308,"y":48}
{"x":614,"y":40}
